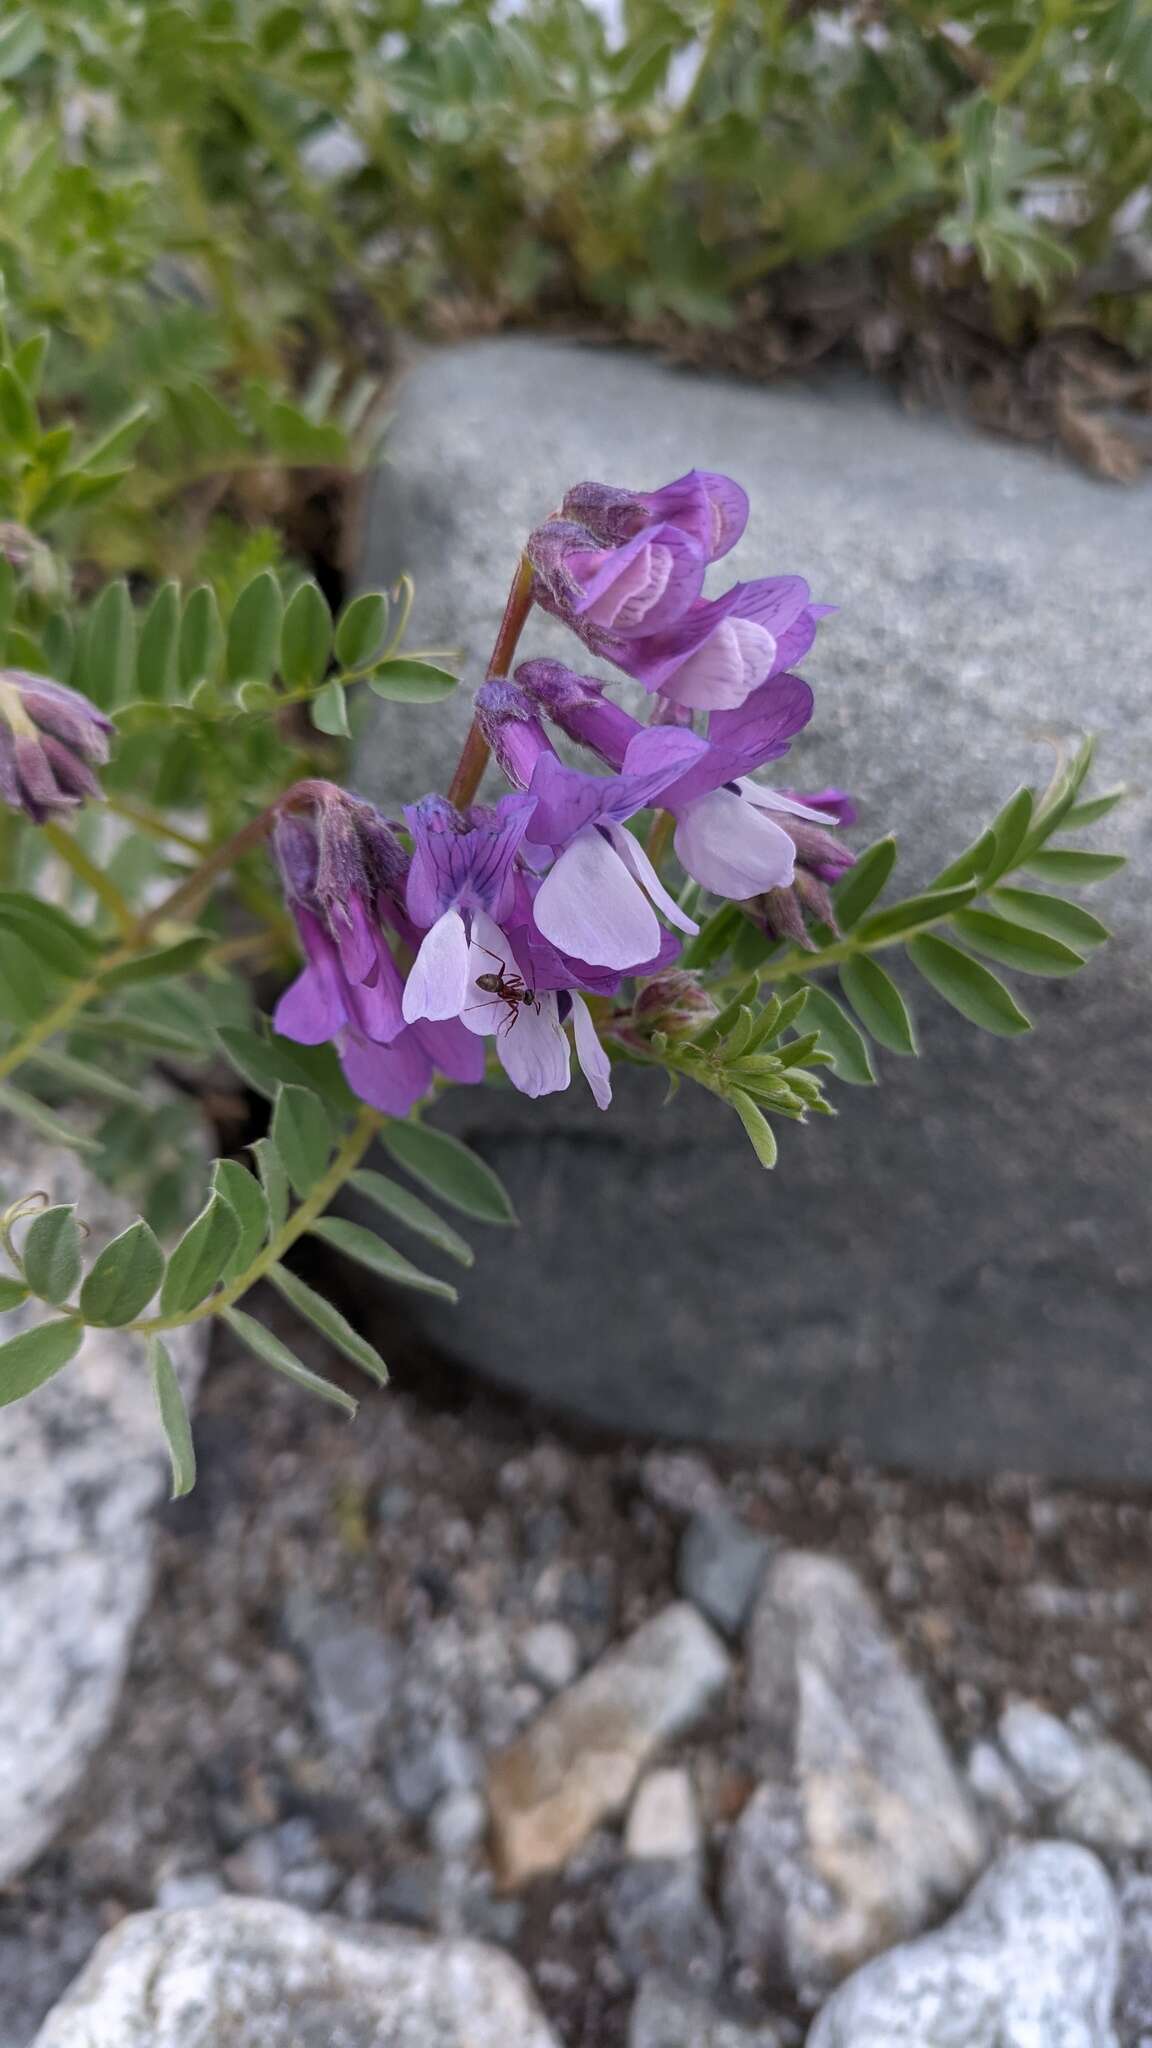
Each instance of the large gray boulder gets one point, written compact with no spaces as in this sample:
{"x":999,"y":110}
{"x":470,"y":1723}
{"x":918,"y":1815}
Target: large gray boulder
{"x":955,"y":1275}
{"x":82,"y":1469}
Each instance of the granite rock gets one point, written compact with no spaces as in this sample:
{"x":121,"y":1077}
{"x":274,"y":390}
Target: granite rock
{"x":862,"y":1828}
{"x":925,"y":1275}
{"x":259,"y":1975}
{"x":578,"y":1762}
{"x":660,"y":1920}
{"x":83,"y":1466}
{"x":720,"y":1566}
{"x":1030,"y":1961}
{"x":664,"y":2016}
{"x":1047,"y":1756}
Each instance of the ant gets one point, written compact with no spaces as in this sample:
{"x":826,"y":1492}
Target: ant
{"x":505,"y":988}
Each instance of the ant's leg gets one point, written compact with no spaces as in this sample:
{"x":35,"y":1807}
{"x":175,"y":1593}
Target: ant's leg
{"x":489,"y":1005}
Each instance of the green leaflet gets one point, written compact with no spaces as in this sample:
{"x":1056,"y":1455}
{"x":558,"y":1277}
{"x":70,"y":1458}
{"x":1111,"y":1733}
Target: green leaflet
{"x":261,"y":1341}
{"x":851,"y":1060}
{"x":407,"y":1208}
{"x":201,"y":1258}
{"x":326,"y":1318}
{"x":302,"y":1136}
{"x":967,"y":986}
{"x":34,"y":1356}
{"x":51,"y":1253}
{"x":369,"y":1250}
{"x":451,"y":1170}
{"x":173,"y":1418}
{"x":124,"y":1278}
{"x":878,"y":1003}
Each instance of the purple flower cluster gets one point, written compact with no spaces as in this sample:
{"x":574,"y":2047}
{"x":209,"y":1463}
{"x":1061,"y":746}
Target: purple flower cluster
{"x":503,"y":920}
{"x":50,"y":737}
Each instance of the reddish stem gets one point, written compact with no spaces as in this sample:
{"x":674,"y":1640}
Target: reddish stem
{"x":474,"y":758}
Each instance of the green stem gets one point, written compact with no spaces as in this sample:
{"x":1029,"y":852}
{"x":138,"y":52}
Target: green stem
{"x":70,"y":851}
{"x":175,"y":905}
{"x":152,"y":822}
{"x":347,"y":1159}
{"x":217,"y":862}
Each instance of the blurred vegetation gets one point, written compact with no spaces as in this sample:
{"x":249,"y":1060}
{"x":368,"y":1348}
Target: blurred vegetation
{"x":222,"y":210}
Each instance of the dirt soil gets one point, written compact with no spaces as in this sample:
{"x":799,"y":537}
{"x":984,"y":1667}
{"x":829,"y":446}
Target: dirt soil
{"x":449,"y":1520}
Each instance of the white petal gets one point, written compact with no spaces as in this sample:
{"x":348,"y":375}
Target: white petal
{"x":731,"y":848}
{"x":595,"y":1064}
{"x":488,"y":953}
{"x":634,"y":857}
{"x":736,"y":656}
{"x":534,"y":1050}
{"x":590,"y":907}
{"x":438,"y":979}
{"x":775,"y":800}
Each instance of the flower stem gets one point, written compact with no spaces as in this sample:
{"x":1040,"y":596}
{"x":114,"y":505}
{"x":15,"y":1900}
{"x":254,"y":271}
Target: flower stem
{"x":152,"y":822}
{"x":139,"y":931}
{"x":217,"y":862}
{"x":474,"y":758}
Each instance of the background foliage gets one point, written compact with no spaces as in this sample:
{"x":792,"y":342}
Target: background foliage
{"x":229,"y":194}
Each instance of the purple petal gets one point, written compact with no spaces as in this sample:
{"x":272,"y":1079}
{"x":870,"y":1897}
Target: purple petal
{"x":454,"y":1051}
{"x":766,"y":721}
{"x":463,"y":863}
{"x":314,"y":1008}
{"x":568,"y":800}
{"x":641,"y":587}
{"x":731,"y":848}
{"x":832,"y":806}
{"x":594,"y":1061}
{"x":712,"y":508}
{"x":375,"y":1005}
{"x":438,"y":979}
{"x":387,"y":1077}
{"x":534,"y":1051}
{"x":590,"y":906}
{"x":636,"y":860}
{"x":355,"y":936}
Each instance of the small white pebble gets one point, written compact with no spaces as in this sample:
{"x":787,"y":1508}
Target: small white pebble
{"x":663,"y":1821}
{"x":550,"y":1654}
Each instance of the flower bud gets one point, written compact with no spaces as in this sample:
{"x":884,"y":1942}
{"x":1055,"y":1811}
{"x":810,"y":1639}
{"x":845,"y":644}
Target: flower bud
{"x":49,"y":736}
{"x":508,"y":719}
{"x":336,"y":854}
{"x":673,"y":1003}
{"x":577,"y":704}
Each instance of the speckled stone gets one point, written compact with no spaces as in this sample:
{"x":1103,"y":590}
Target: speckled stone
{"x":1030,"y":1961}
{"x":861,"y":1830}
{"x":957,"y":1273}
{"x":254,"y":1974}
{"x":83,"y":1465}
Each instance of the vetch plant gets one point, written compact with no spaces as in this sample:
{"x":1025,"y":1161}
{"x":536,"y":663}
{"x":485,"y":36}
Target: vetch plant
{"x":657,"y":904}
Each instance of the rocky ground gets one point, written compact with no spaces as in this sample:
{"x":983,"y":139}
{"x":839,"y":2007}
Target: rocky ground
{"x":352,"y":1622}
